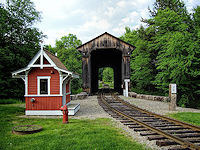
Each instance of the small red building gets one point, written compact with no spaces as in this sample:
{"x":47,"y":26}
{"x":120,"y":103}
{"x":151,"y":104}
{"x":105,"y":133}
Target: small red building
{"x":47,"y":84}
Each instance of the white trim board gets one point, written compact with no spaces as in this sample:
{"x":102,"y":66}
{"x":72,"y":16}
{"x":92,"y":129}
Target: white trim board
{"x":71,"y":112}
{"x":44,"y":95}
{"x":43,"y":113}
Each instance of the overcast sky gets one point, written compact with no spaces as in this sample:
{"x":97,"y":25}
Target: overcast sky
{"x":90,"y":18}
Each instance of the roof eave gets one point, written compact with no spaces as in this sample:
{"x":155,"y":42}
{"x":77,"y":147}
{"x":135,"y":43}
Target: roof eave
{"x":78,"y":48}
{"x":16,"y":73}
{"x":68,"y":72}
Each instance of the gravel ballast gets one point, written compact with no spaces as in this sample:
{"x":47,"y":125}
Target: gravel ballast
{"x":158,"y":107}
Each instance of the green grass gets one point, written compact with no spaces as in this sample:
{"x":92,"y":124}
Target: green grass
{"x":189,"y":117}
{"x":78,"y":134}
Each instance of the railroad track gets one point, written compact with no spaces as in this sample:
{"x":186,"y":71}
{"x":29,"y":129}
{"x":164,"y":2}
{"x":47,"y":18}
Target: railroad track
{"x":166,"y":131}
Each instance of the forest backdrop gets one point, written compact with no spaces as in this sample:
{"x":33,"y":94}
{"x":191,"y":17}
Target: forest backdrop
{"x":167,"y":50}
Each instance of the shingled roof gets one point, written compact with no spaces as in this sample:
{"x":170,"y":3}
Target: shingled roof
{"x":55,"y":59}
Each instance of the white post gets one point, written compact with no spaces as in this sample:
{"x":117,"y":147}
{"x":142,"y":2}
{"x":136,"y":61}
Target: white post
{"x":172,"y":96}
{"x":61,"y":82}
{"x":126,"y":81}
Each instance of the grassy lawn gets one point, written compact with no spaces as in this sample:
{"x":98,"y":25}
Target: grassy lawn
{"x":78,"y":134}
{"x":189,"y":117}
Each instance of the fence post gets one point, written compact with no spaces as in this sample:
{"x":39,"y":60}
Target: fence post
{"x":172,"y":96}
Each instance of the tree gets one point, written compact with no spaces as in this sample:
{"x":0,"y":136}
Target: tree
{"x":19,"y":42}
{"x":167,"y":51}
{"x":108,"y":74}
{"x":70,"y":57}
{"x":178,"y":56}
{"x":142,"y":65}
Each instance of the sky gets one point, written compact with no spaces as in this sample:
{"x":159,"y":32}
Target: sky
{"x":89,"y":18}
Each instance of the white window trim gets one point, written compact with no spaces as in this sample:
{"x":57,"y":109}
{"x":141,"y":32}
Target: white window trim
{"x":38,"y":84}
{"x":43,"y":95}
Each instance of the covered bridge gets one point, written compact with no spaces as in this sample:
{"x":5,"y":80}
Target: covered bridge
{"x":106,"y":50}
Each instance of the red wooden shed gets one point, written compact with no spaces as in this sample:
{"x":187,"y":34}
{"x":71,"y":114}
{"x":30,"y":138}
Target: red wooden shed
{"x":47,"y":84}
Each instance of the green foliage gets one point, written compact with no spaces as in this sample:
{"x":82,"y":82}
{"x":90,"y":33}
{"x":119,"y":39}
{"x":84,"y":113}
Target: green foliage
{"x":70,"y":57}
{"x":77,"y":134}
{"x":178,"y":57}
{"x":167,"y":51}
{"x":142,"y":60}
{"x":9,"y":101}
{"x":108,"y":74}
{"x":19,"y":42}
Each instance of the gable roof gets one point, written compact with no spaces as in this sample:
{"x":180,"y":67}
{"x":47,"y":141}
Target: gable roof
{"x":105,"y":37}
{"x":53,"y":62}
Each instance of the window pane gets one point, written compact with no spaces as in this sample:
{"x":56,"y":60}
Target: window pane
{"x":43,"y":86}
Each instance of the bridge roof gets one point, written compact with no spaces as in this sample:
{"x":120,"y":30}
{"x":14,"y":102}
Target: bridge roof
{"x":106,"y":40}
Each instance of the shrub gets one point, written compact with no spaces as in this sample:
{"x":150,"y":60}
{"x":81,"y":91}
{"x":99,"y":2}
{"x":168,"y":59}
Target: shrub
{"x":10,"y":101}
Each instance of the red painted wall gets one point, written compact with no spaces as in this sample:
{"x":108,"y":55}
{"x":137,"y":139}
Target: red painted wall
{"x":44,"y":103}
{"x":47,"y":71}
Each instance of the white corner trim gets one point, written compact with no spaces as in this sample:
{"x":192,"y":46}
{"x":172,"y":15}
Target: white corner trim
{"x":61,"y":81}
{"x":26,"y":83}
{"x":38,"y":84}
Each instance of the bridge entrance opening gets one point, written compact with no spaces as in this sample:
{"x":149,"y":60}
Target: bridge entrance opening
{"x":111,"y":58}
{"x":106,"y":78}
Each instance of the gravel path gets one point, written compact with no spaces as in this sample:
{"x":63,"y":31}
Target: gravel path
{"x":156,"y":106}
{"x":89,"y":109}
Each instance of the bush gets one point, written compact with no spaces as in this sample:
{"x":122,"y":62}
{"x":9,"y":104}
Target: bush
{"x":10,"y":101}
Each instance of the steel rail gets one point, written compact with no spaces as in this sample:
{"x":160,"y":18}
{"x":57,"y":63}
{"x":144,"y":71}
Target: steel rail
{"x":185,"y":144}
{"x":193,"y":127}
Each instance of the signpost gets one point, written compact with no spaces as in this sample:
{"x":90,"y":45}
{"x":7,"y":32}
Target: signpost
{"x":172,"y":96}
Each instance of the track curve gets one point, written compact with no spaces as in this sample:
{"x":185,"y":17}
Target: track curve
{"x":166,"y":131}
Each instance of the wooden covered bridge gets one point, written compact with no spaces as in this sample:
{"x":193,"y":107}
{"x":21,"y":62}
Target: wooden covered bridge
{"x":106,"y":50}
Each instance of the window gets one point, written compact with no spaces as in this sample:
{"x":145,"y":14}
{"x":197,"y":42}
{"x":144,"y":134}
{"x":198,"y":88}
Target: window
{"x":43,"y":85}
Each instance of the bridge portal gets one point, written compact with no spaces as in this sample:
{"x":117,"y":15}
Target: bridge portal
{"x":105,"y":50}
